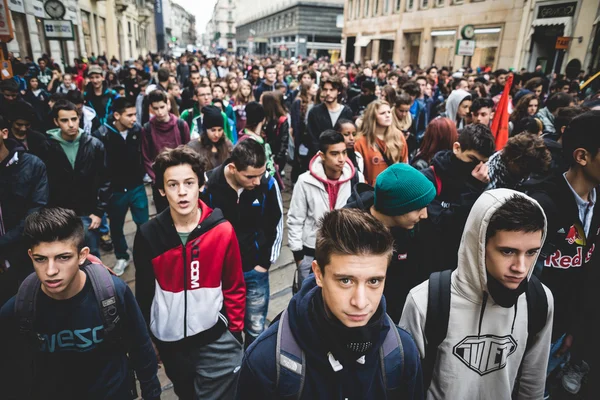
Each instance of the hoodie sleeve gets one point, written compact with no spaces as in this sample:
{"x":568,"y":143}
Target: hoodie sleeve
{"x":273,"y":226}
{"x":297,"y":215}
{"x":533,"y":368}
{"x":146,"y":151}
{"x":234,"y":287}
{"x":413,"y":321}
{"x":145,"y":281}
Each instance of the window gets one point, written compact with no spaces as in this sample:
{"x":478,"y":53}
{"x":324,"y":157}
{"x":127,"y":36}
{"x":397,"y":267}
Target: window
{"x":457,"y":2}
{"x":410,"y":5}
{"x":366,"y":11}
{"x":357,"y":11}
{"x":376,"y":8}
{"x":397,"y":7}
{"x":350,"y":9}
{"x":440,"y":3}
{"x":229,"y":15}
{"x":386,"y":7}
{"x":424,"y":4}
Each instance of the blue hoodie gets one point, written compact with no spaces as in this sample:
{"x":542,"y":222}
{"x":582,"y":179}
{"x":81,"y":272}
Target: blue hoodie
{"x":358,"y":381}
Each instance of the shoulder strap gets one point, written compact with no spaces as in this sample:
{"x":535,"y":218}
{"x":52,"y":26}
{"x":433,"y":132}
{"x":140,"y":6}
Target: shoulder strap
{"x":438,"y":181}
{"x":148,"y":129}
{"x":25,"y":306}
{"x":280,"y":122}
{"x":436,"y":321}
{"x":290,"y":362}
{"x":537,"y":309}
{"x":181,"y":130}
{"x":104,"y":290}
{"x":391,"y":355}
{"x":354,"y":180}
{"x":387,"y":160}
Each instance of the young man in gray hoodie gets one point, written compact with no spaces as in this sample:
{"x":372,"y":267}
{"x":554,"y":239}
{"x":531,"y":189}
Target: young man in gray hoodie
{"x":492,"y":348}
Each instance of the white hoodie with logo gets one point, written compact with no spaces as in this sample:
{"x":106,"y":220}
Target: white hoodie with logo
{"x":474,"y":364}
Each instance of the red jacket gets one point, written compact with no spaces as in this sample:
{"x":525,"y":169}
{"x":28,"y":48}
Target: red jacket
{"x":194,"y":290}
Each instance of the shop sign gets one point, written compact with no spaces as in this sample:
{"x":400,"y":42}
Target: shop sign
{"x":16,"y":6}
{"x":465,"y":47}
{"x":562,"y":43}
{"x":6,"y":30}
{"x":557,"y":10}
{"x":35,"y":7}
{"x":58,"y":29}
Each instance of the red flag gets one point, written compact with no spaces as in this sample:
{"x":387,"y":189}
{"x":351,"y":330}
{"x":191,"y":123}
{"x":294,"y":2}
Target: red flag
{"x":500,"y":122}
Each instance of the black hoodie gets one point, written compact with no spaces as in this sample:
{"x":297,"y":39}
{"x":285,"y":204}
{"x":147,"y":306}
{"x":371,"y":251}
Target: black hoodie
{"x":412,"y":261}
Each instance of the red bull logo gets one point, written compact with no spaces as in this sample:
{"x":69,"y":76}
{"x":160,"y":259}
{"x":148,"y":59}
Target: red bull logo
{"x":576,"y":235}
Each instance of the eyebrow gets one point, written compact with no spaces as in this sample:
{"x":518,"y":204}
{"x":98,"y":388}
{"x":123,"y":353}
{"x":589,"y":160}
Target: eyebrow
{"x":513,"y":249}
{"x":342,"y":276}
{"x":58,"y":255}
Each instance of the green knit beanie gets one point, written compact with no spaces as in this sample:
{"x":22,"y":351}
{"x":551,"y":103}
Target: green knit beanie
{"x":401,"y":189}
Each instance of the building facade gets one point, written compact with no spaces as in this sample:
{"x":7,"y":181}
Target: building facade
{"x":293,"y":28}
{"x":221,"y":27}
{"x":507,"y":34}
{"x":183,"y":26}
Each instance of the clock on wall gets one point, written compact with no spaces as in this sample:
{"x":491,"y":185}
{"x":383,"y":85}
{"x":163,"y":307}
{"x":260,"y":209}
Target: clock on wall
{"x":468,"y":32}
{"x":55,"y":9}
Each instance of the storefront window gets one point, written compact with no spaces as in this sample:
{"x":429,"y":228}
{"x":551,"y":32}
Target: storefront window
{"x":486,"y":46}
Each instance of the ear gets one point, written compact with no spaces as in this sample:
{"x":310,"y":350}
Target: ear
{"x":162,"y":192}
{"x":4,"y":133}
{"x":318,"y":274}
{"x":83,"y":255}
{"x":456,"y":148}
{"x":580,"y":156}
{"x":322,"y":155}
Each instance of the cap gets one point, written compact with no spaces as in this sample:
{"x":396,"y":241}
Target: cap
{"x":94,"y":69}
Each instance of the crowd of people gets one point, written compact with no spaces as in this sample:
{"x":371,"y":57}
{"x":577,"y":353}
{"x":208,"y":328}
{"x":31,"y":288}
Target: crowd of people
{"x":443,"y":224}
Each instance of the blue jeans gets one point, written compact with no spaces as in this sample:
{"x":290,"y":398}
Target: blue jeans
{"x":135,"y":200}
{"x":556,"y":362}
{"x":103,"y":228}
{"x":257,"y":303}
{"x":92,"y":237}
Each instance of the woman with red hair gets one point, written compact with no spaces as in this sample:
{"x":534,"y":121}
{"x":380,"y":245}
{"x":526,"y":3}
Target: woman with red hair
{"x":440,"y":135}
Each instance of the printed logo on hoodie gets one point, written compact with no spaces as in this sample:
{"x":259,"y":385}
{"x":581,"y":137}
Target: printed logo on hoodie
{"x":486,"y":353}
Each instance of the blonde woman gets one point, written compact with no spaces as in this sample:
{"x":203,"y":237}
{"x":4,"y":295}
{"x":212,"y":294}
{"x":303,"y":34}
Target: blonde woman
{"x":238,"y":101}
{"x":381,"y":143}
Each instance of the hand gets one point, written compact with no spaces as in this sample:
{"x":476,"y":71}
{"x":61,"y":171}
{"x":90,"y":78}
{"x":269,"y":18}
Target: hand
{"x":480,"y":172}
{"x":566,"y":345}
{"x":260,"y":269}
{"x":96,"y":220}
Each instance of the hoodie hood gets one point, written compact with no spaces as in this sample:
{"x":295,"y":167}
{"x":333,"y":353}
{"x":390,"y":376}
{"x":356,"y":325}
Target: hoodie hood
{"x":454,"y":100}
{"x":317,"y":170}
{"x":164,"y":127}
{"x":88,"y":114}
{"x":471,"y":274}
{"x":55,"y":134}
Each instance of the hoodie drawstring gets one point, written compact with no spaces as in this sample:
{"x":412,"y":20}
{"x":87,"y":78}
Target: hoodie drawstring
{"x":514,"y":318}
{"x":485,"y":297}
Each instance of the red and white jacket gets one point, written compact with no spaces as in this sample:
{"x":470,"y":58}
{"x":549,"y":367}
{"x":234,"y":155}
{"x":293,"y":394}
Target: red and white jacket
{"x":186,"y":290}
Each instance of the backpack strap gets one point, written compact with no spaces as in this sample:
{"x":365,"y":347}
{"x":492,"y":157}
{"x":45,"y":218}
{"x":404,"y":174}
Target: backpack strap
{"x":104,"y":290}
{"x":391,"y":354}
{"x":148,"y":130}
{"x":354,"y":180}
{"x":25,"y":307}
{"x":181,"y":130}
{"x":290,"y":362}
{"x":537,"y":309}
{"x":436,"y":321}
{"x":438,"y":181}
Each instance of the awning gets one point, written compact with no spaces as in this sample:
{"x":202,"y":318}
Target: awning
{"x":566,"y":21}
{"x":364,"y":41}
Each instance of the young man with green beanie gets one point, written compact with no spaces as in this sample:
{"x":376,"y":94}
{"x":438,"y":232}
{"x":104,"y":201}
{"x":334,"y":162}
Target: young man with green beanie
{"x":193,"y":116}
{"x":399,"y":200}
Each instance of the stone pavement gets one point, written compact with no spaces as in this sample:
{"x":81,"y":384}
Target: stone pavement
{"x":280,"y":274}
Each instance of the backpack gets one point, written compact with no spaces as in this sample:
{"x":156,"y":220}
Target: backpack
{"x":104,"y":291}
{"x":290,"y":362}
{"x":438,"y":314}
{"x":180,"y":127}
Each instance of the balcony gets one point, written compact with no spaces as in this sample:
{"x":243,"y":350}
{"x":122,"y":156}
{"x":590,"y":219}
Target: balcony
{"x":121,"y":5}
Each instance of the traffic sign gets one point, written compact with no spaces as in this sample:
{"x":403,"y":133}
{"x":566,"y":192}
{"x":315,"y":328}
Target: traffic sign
{"x":562,"y":43}
{"x":6,"y":29}
{"x":465,"y":47}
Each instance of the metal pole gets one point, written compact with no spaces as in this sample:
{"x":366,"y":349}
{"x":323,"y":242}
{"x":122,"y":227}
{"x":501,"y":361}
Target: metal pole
{"x":553,"y":68}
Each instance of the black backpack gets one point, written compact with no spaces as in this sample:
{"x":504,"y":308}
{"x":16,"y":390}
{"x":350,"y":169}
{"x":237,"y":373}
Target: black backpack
{"x":438,"y":314}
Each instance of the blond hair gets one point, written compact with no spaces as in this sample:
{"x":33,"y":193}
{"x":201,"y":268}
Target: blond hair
{"x":391,"y":135}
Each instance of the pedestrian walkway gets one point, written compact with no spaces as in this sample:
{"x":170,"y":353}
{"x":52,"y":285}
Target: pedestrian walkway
{"x":280,"y":275}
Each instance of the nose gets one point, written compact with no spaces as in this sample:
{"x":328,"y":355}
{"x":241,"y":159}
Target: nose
{"x":256,"y":181}
{"x":520,"y":264}
{"x":423,"y":213}
{"x":359,"y":297}
{"x":181,"y":190}
{"x":51,"y":270}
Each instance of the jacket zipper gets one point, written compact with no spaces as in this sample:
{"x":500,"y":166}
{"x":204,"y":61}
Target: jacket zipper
{"x":184,"y":290}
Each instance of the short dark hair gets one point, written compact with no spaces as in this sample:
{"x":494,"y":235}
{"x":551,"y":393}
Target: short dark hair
{"x":120,"y":104}
{"x":312,"y":74}
{"x":565,"y":115}
{"x":482,"y":102}
{"x":582,"y":132}
{"x":403,"y":99}
{"x":341,"y":122}
{"x":74,"y":96}
{"x":202,"y":86}
{"x":349,"y":231}
{"x":558,"y":100}
{"x":329,"y":137}
{"x":430,"y":69}
{"x":156,"y":96}
{"x":9,"y":85}
{"x":479,"y":138}
{"x":53,"y":225}
{"x":63,"y":105}
{"x":412,"y":88}
{"x":255,"y":114}
{"x":56,"y":97}
{"x":456,"y":82}
{"x":248,"y":153}
{"x":178,"y":156}
{"x":270,"y":67}
{"x":334,"y":81}
{"x":528,"y":153}
{"x":163,"y":75}
{"x":3,"y":123}
{"x":499,"y":72}
{"x":517,"y":214}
